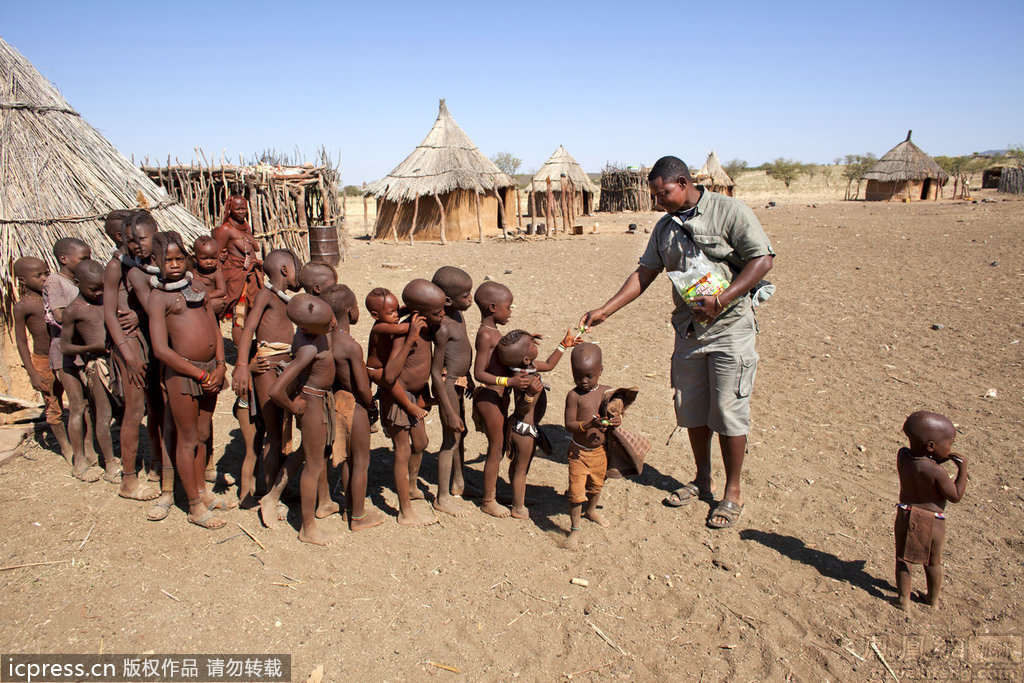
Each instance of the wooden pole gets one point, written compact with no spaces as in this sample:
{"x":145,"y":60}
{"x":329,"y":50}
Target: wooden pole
{"x":549,"y":207}
{"x":415,"y":215}
{"x":479,"y":223}
{"x":533,"y":206}
{"x":444,"y":222}
{"x":366,"y":220}
{"x":519,"y":210}
{"x":394,"y":215}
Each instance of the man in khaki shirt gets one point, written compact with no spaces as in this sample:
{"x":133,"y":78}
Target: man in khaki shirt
{"x":714,"y":360}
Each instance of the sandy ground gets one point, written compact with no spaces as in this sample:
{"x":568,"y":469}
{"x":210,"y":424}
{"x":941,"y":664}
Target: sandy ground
{"x":798,"y":591}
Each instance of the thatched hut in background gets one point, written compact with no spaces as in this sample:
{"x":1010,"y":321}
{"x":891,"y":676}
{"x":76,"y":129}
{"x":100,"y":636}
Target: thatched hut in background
{"x":446,"y":189}
{"x":59,"y":177}
{"x":561,"y":165}
{"x":284,"y":201}
{"x":625,"y":189}
{"x":905,"y":173}
{"x":712,"y":176}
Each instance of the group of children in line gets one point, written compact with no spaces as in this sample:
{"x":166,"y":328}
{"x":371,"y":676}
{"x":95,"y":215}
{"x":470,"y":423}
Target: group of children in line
{"x":140,"y":337}
{"x":142,"y":333}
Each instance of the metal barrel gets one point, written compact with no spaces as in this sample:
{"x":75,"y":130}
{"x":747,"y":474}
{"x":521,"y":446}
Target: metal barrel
{"x":323,"y":245}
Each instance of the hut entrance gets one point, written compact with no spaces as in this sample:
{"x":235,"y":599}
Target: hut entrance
{"x":926,"y":188}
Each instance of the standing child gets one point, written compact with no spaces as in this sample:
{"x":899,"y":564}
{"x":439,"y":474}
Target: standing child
{"x":268,"y":321}
{"x":127,"y":327}
{"x":312,"y":371}
{"x":207,"y":271}
{"x":29,"y":316}
{"x":409,"y":364}
{"x":449,"y":374}
{"x":925,"y":488}
{"x":588,"y":461}
{"x":58,"y":293}
{"x":84,"y":337}
{"x":383,"y":307}
{"x":352,"y":400}
{"x":491,"y":398}
{"x":517,"y":353}
{"x":187,"y":340}
{"x":315,"y":277}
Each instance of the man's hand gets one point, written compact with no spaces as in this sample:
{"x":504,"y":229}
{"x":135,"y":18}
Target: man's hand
{"x":705,"y":308}
{"x":594,"y":317}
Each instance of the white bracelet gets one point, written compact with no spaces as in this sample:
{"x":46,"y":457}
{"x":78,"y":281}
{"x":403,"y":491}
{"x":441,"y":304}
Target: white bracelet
{"x":561,"y":347}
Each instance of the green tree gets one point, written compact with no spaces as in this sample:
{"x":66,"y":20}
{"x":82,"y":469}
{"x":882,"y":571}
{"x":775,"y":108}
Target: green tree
{"x":352,"y":191}
{"x":507,"y":162}
{"x":856,"y":165}
{"x":962,"y":170}
{"x":735,"y":167}
{"x":786,"y":170}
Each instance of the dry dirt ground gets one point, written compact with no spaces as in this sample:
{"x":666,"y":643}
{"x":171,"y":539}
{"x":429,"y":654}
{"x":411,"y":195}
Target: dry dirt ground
{"x":798,"y":591}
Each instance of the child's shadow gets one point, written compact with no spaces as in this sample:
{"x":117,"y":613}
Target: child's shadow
{"x":381,"y":476}
{"x":828,"y":565}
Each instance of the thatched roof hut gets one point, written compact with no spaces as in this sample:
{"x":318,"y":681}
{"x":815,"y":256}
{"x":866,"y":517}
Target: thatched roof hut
{"x":905,"y":173}
{"x":59,"y":177}
{"x":284,"y":201}
{"x":562,"y":164}
{"x":446,"y":189}
{"x":625,"y":189}
{"x":712,"y":176}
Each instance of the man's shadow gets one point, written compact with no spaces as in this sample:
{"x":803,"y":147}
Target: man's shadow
{"x":828,"y":565}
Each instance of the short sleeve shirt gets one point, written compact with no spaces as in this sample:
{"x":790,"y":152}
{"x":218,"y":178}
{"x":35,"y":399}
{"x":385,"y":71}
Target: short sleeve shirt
{"x":58,"y":293}
{"x":727,"y":232}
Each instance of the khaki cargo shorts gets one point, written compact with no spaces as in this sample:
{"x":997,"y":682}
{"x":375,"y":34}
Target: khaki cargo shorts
{"x":713,"y":379}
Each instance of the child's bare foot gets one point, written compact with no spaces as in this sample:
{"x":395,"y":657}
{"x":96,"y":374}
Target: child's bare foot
{"x":465,"y":491}
{"x":282,"y":511}
{"x":416,"y":518}
{"x":596,"y":517}
{"x":213,"y":502}
{"x":112,"y":473}
{"x":926,"y":600}
{"x":316,"y":536}
{"x":521,"y":512}
{"x":572,"y":541}
{"x":211,"y":476}
{"x":368,"y":519}
{"x":415,"y":493}
{"x":268,"y":512}
{"x":88,"y":475}
{"x":902,"y":603}
{"x":448,"y":505}
{"x":161,"y":507}
{"x":326,"y":509}
{"x":492,"y":508}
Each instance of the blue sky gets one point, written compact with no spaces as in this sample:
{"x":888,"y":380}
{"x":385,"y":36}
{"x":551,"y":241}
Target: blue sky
{"x":612,"y":81}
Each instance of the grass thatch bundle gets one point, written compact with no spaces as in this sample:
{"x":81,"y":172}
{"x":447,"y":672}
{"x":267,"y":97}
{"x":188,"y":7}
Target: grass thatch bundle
{"x":625,"y":189}
{"x":712,"y":176}
{"x":59,"y":177}
{"x":445,"y":189}
{"x":284,"y":201}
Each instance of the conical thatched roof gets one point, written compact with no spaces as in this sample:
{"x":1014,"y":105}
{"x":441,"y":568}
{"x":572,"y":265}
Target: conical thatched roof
{"x":559,"y":163}
{"x":446,"y":160}
{"x":712,"y":171}
{"x":905,"y":161}
{"x":59,"y":176}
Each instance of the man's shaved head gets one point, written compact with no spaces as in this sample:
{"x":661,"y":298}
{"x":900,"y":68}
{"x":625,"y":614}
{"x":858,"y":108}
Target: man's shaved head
{"x":668,"y":169}
{"x":924,"y":426}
